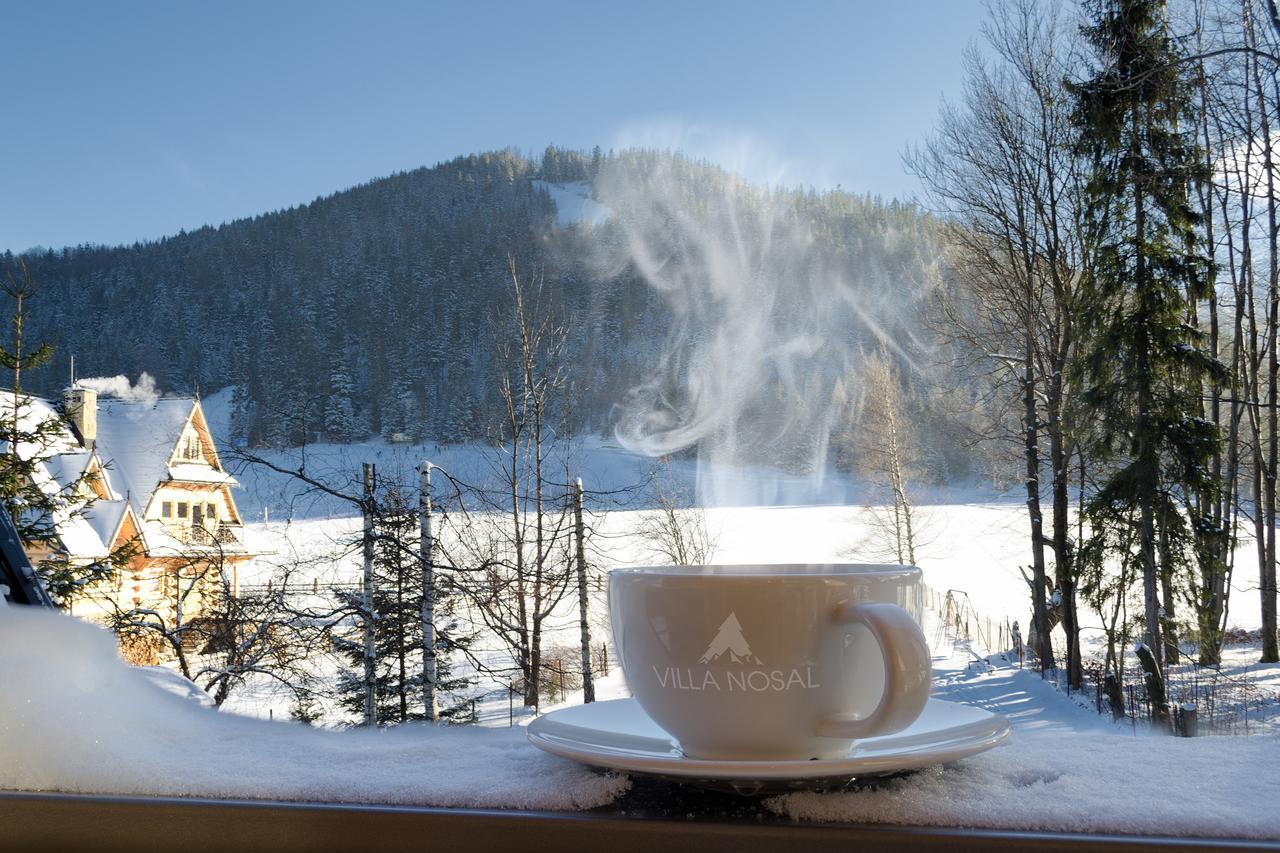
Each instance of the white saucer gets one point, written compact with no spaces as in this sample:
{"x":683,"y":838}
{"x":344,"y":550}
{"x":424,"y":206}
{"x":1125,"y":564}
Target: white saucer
{"x":619,"y":735}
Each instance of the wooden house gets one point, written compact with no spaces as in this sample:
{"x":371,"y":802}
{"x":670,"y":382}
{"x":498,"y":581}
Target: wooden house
{"x":149,"y":473}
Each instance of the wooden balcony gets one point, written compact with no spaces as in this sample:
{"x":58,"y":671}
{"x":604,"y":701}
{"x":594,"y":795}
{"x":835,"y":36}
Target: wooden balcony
{"x":229,"y":536}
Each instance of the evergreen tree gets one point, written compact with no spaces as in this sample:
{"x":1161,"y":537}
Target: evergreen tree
{"x":35,"y":502}
{"x":401,"y":278}
{"x":398,"y":644}
{"x":1142,"y":362}
{"x":340,"y":410}
{"x":241,"y":413}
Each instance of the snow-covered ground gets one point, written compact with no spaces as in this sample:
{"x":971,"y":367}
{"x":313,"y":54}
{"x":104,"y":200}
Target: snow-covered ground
{"x":973,"y":536}
{"x":1067,"y":769}
{"x":88,"y":723}
{"x":76,"y":718}
{"x":970,"y":547}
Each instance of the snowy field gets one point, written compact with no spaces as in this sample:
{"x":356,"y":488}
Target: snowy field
{"x":971,"y":548}
{"x":973,"y":539}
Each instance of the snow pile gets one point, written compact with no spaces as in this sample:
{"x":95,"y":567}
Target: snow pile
{"x":1067,"y":769}
{"x":1098,"y":783}
{"x":75,"y":718}
{"x":172,"y":682}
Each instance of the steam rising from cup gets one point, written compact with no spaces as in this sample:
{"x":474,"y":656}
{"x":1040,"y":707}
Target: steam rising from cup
{"x":767,"y":328}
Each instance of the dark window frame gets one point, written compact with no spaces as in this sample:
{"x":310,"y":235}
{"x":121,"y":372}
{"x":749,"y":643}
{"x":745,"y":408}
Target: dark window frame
{"x":88,"y":822}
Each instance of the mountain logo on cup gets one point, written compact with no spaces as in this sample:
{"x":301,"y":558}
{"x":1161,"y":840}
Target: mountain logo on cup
{"x":729,"y":640}
{"x":749,"y":676}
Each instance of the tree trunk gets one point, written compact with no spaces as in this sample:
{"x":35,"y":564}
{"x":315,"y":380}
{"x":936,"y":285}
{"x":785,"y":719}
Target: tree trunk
{"x":1168,"y":628}
{"x":1267,"y":575}
{"x":426,"y":548}
{"x":1155,"y":684}
{"x":1215,"y":554}
{"x":1147,"y":459}
{"x":1064,"y":558}
{"x":1039,"y":578}
{"x":539,"y":553}
{"x":522,"y":602}
{"x":584,"y":625}
{"x":402,"y":657}
{"x":370,"y":685}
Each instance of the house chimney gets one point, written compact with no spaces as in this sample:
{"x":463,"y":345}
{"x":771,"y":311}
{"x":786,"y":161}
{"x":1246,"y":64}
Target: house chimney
{"x":82,"y":410}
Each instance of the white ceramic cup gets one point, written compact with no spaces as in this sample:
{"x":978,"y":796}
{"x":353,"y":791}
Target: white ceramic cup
{"x":763,"y":662}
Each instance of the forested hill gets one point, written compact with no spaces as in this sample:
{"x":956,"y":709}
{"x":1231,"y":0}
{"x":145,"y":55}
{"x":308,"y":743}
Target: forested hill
{"x":372,"y":311}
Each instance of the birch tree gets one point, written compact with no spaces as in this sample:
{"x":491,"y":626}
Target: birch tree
{"x":888,"y":453}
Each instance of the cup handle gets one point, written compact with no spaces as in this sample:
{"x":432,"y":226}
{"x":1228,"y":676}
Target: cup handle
{"x":908,"y":671}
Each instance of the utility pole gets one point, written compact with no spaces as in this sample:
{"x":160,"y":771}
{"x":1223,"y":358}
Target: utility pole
{"x":588,"y":684}
{"x":370,"y":687}
{"x":426,"y":548}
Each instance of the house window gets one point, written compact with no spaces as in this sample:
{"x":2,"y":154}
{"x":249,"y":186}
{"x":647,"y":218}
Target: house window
{"x":182,"y":509}
{"x":166,"y":509}
{"x":211,"y":511}
{"x":191,"y":448}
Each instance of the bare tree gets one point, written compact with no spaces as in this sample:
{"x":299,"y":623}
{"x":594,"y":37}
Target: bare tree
{"x":676,"y":531}
{"x":888,"y":453}
{"x":234,"y":637}
{"x":1001,"y":166}
{"x":1239,"y":109}
{"x":515,"y":559}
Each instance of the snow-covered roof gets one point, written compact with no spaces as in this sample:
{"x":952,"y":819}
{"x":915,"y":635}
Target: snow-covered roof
{"x":193,"y":473}
{"x":32,"y":412}
{"x":136,"y":440}
{"x":67,"y":468}
{"x":80,"y":538}
{"x":105,"y":517}
{"x":133,"y":451}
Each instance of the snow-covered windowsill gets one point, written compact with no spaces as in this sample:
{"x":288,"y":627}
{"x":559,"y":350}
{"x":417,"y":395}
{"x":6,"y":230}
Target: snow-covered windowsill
{"x":75,"y":720}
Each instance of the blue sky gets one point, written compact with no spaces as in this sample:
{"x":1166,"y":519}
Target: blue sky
{"x":134,"y":120}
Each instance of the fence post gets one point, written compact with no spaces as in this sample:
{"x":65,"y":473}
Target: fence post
{"x":426,"y":545}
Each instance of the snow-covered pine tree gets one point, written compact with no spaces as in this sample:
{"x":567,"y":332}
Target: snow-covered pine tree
{"x":340,"y":410}
{"x":241,"y":413}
